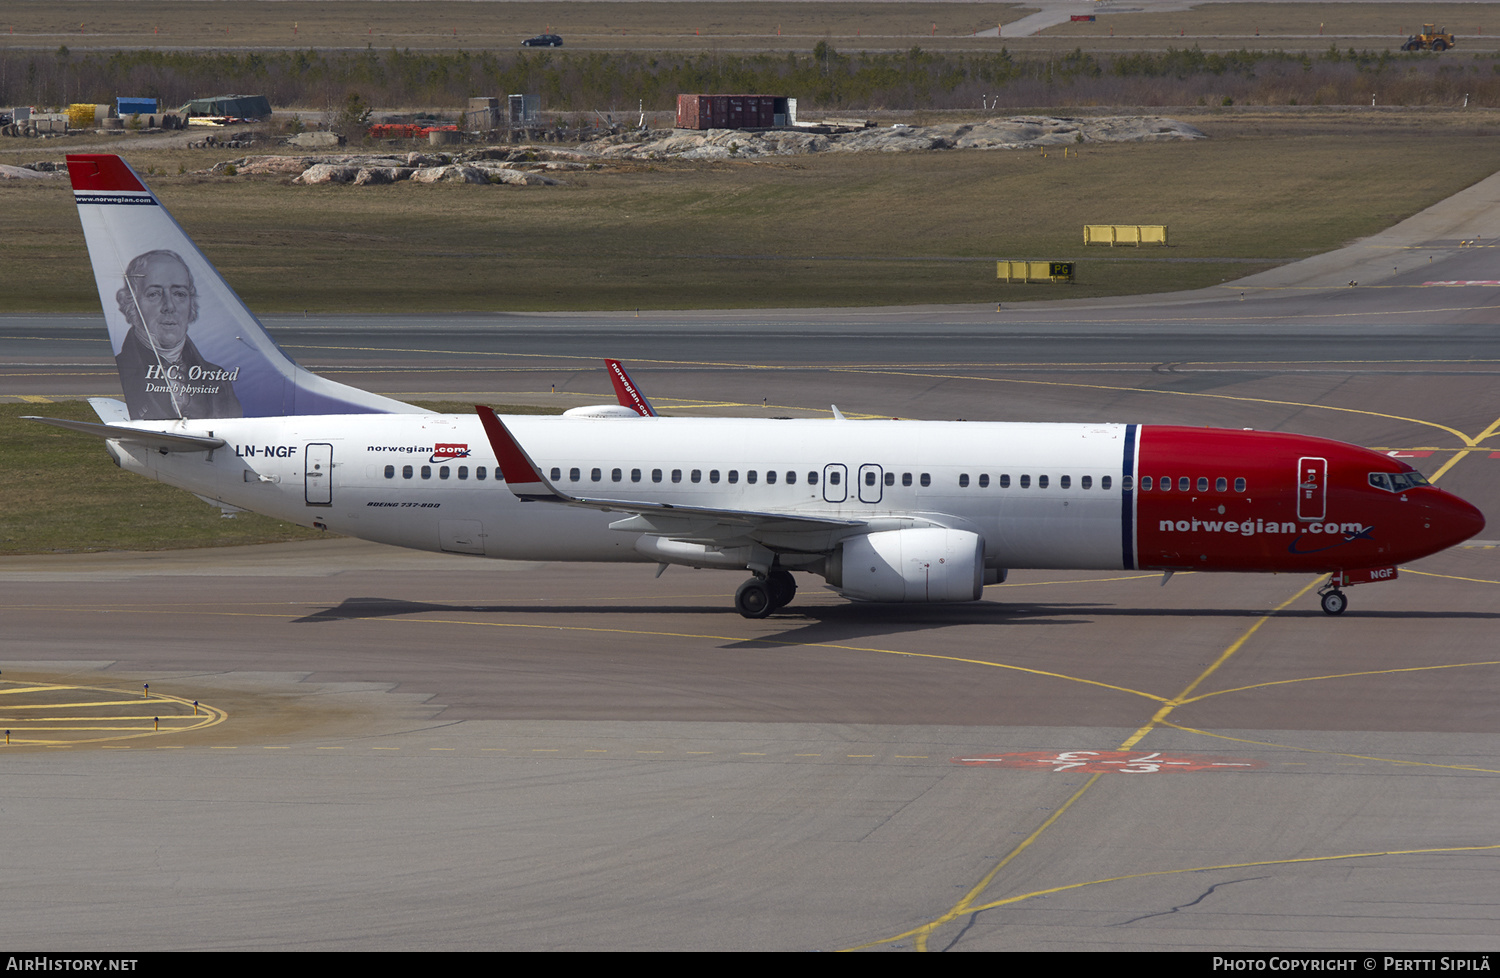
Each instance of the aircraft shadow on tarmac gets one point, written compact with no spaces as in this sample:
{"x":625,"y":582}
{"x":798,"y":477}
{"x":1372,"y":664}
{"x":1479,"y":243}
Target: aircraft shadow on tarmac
{"x":845,"y":622}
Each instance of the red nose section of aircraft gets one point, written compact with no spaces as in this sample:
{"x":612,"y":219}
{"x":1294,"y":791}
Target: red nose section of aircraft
{"x":1237,"y":500}
{"x":1453,"y":520}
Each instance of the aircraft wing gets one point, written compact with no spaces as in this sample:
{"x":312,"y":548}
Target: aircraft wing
{"x":161,"y":441}
{"x":697,"y":524}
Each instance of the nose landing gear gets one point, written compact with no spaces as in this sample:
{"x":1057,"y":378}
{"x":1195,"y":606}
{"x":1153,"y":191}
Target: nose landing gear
{"x":1334,"y":601}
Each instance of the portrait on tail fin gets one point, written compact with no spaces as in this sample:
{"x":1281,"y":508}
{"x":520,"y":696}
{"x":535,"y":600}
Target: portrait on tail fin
{"x":162,"y":373}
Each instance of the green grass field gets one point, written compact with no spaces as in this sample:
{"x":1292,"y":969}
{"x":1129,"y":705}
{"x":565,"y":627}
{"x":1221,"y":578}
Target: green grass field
{"x":832,"y":229}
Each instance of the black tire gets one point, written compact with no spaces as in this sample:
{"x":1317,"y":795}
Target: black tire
{"x":1439,"y":46}
{"x":753,"y":599}
{"x":783,"y":588}
{"x":1334,"y":603}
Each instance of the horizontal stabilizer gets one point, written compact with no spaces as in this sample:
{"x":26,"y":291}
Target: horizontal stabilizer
{"x":163,"y":441}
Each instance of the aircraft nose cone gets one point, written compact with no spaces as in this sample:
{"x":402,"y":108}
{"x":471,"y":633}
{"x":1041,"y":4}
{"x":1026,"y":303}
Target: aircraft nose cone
{"x":1455,"y":520}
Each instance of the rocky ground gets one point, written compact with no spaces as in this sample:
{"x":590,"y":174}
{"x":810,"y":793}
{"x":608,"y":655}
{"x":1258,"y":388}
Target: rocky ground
{"x":1021,"y":132}
{"x":536,"y":165}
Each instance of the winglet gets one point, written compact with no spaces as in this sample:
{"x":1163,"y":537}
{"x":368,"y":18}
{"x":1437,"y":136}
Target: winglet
{"x":519,"y":471}
{"x":626,"y":392}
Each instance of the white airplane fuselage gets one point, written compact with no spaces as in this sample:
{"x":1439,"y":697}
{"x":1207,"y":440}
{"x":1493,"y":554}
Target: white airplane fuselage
{"x":407,"y":480}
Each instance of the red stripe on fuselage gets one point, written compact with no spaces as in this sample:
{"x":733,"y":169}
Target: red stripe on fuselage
{"x":1307,"y":505}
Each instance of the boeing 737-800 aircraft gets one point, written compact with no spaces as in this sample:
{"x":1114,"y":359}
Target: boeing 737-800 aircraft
{"x":898,"y":511}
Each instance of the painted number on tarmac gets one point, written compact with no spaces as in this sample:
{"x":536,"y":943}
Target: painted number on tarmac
{"x":1109,"y":762}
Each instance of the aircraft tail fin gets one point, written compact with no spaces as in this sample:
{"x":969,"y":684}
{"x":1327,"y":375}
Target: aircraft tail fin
{"x":626,"y":392}
{"x":184,"y":343}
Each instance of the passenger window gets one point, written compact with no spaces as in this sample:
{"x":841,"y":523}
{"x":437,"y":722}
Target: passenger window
{"x":1005,"y":480}
{"x":1041,"y":482}
{"x":1025,"y":482}
{"x":696,"y":475}
{"x":1239,"y":485}
{"x":615,"y":475}
{"x":656,"y":475}
{"x":443,"y":472}
{"x":1087,"y":482}
{"x":963,"y":480}
{"x":1104,"y":482}
{"x":1166,"y":483}
{"x":557,"y":475}
{"x":1145,"y":483}
{"x":635,"y":475}
{"x":1203,"y":483}
{"x":791,"y":477}
{"x":1126,"y":483}
{"x":390,"y":471}
{"x":984,"y":480}
{"x":713,"y":475}
{"x":479,"y":473}
{"x":890,"y":478}
{"x":406,"y":471}
{"x":1065,"y":482}
{"x":750,"y":477}
{"x":869,"y":478}
{"x":596,"y":475}
{"x":1184,"y":483}
{"x":770,"y":477}
{"x":677,"y":475}
{"x":426,"y":471}
{"x":734,"y":476}
{"x":812,"y":478}
{"x":574,"y":475}
{"x":463,"y":471}
{"x":906,"y":478}
{"x":926,"y":480}
{"x":1221,"y":484}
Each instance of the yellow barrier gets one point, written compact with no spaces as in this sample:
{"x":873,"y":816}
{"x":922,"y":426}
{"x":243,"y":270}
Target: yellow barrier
{"x":81,"y":115}
{"x":1034,"y":271}
{"x":1132,"y":234}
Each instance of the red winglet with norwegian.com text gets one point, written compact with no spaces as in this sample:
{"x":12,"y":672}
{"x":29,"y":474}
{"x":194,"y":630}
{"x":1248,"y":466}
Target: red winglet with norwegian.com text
{"x":103,"y":173}
{"x":626,"y":392}
{"x":520,"y":473}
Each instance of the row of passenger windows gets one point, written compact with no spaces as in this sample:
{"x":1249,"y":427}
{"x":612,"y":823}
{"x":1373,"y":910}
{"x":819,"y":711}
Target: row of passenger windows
{"x":443,"y":472}
{"x":1185,"y":484}
{"x":752,"y":476}
{"x":696,"y":475}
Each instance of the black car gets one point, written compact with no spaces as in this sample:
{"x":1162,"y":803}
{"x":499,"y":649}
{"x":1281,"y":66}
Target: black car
{"x":542,"y":41}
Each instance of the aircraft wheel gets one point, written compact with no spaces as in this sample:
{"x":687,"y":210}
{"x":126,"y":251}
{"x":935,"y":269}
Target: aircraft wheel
{"x":753,"y":599}
{"x":783,"y":588}
{"x":1334,"y":603}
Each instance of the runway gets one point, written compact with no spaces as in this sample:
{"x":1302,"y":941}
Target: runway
{"x":428,"y":752}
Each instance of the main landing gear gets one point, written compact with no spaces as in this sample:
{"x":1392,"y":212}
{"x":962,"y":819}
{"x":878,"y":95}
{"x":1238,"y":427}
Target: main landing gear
{"x":1334,"y":601}
{"x":758,"y":597}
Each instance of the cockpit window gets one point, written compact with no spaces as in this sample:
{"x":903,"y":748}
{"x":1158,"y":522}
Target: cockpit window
{"x":1397,"y":481}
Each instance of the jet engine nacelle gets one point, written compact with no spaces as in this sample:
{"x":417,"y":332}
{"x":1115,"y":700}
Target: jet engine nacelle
{"x":927,"y":564}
